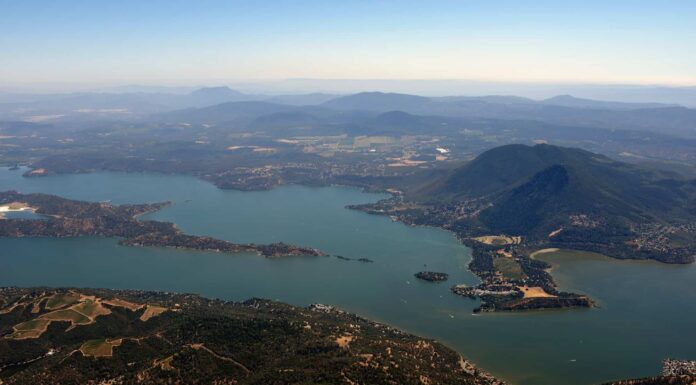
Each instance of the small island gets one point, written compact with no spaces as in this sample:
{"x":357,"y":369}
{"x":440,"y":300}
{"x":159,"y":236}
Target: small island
{"x":431,"y":276}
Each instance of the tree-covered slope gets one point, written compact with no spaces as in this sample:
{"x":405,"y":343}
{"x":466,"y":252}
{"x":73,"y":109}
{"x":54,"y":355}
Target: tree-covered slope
{"x":129,"y":337}
{"x":564,"y":197}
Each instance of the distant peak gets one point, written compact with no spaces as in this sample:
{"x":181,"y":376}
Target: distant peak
{"x":219,"y":90}
{"x":562,"y":97}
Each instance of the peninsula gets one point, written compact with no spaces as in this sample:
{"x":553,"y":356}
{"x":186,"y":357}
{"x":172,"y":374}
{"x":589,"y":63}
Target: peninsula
{"x":70,"y":218}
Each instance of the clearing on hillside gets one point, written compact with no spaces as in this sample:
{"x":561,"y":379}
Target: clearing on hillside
{"x":534,"y":292}
{"x":152,"y":311}
{"x":91,"y":309}
{"x":61,"y":300}
{"x":100,"y":348}
{"x":30,"y":329}
{"x":117,"y":302}
{"x":70,"y":315}
{"x":498,"y":240}
{"x":509,"y":268}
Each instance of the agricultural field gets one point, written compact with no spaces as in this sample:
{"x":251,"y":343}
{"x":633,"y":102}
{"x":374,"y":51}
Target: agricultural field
{"x":71,"y":307}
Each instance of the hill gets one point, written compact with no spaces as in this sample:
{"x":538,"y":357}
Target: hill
{"x":377,"y":101}
{"x":562,"y":181}
{"x":209,"y":96}
{"x":560,"y":197}
{"x":70,"y":336}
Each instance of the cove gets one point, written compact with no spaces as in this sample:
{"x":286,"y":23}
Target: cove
{"x":646,"y":314}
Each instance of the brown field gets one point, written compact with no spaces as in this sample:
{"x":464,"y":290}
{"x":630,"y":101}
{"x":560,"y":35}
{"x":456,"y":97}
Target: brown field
{"x":152,"y":311}
{"x":344,"y":341}
{"x":100,"y":348}
{"x":498,"y":240}
{"x":165,"y":363}
{"x":117,"y":302}
{"x":534,"y":292}
{"x":36,"y":306}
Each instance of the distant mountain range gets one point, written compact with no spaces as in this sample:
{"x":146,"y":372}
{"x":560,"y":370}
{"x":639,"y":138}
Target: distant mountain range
{"x":564,"y":110}
{"x":217,"y":104}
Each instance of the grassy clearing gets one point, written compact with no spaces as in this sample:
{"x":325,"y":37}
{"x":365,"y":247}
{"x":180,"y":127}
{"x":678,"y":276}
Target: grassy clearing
{"x":100,"y":348}
{"x":67,"y":315}
{"x":61,"y":300}
{"x":91,"y":309}
{"x":498,"y":240}
{"x":509,"y":268}
{"x":30,"y":329}
{"x":152,"y":311}
{"x":117,"y":302}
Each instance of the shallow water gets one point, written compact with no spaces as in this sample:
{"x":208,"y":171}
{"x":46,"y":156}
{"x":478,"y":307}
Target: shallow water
{"x":647,"y":309}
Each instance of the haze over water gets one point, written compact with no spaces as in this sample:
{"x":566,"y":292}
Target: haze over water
{"x":646,"y":311}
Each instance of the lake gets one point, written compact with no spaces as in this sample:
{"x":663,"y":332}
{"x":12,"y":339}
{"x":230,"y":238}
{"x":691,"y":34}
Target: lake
{"x":646,"y":309}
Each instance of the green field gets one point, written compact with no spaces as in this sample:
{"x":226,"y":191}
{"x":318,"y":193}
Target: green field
{"x":91,"y":309}
{"x":509,"y":268}
{"x":32,"y":325}
{"x":67,"y":315}
{"x":58,"y":301}
{"x":99,"y":348}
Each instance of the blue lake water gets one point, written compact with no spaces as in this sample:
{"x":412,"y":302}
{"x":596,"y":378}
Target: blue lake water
{"x":647,"y":309}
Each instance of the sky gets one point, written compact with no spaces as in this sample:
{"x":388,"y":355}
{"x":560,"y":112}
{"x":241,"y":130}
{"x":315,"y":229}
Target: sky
{"x":186,"y":42}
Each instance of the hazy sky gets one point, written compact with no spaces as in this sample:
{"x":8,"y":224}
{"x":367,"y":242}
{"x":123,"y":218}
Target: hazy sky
{"x":179,"y":42}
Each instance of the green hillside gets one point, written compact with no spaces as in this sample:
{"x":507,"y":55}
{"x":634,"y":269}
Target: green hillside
{"x":564,"y":197}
